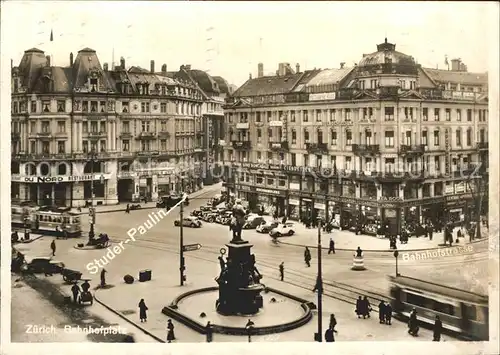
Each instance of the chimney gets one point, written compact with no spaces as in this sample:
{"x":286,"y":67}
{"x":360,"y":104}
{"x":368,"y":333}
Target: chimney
{"x":463,"y":67}
{"x":260,"y":70}
{"x":152,"y":66}
{"x":342,"y":65}
{"x":250,"y":76}
{"x":297,"y":68}
{"x":48,"y":60}
{"x":122,"y":63}
{"x":281,"y":69}
{"x":455,"y":64}
{"x":187,"y":66}
{"x":164,"y":68}
{"x":105,"y":66}
{"x":71,"y":59}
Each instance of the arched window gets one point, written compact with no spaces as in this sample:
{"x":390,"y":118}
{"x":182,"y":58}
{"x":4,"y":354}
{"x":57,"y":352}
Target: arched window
{"x":62,"y":169}
{"x":44,"y":169}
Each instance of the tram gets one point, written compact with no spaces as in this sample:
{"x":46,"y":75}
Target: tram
{"x":46,"y":221}
{"x":461,"y":312}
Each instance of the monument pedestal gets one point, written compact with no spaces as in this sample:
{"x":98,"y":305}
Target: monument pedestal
{"x":239,"y":286}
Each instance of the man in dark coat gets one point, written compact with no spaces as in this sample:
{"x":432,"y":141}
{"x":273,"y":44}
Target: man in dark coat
{"x":359,"y":306}
{"x":366,"y":307}
{"x":209,"y":331}
{"x":329,"y":336}
{"x":170,"y":331}
{"x":331,"y":248}
{"x":307,"y":257}
{"x":142,"y":311}
{"x":333,"y":322}
{"x":381,"y":312}
{"x":359,"y":253}
{"x":53,"y":247}
{"x":103,"y":277}
{"x":318,"y":285}
{"x":438,"y":328}
{"x":282,"y":271}
{"x":75,"y":290}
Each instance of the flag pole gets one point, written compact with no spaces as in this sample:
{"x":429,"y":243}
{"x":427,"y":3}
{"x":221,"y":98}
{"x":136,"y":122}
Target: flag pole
{"x":51,"y":47}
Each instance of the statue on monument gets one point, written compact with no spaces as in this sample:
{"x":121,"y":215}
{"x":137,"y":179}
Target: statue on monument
{"x":237,"y":221}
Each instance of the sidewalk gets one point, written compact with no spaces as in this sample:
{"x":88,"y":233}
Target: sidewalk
{"x":120,"y":207}
{"x":349,"y":241}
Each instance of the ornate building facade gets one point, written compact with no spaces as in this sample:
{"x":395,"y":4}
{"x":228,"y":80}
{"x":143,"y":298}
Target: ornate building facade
{"x":134,"y":133}
{"x":386,"y":139}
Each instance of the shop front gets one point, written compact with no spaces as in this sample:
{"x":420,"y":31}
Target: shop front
{"x":334,"y":212}
{"x":457,"y":207}
{"x":294,"y":207}
{"x":350,"y":213}
{"x":320,"y":208}
{"x":165,"y":184}
{"x":306,"y":209}
{"x":273,"y":201}
{"x":245,"y":192}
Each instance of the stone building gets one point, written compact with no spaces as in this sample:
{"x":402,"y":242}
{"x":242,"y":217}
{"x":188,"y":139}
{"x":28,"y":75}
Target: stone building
{"x":386,"y":139}
{"x":133,"y":132}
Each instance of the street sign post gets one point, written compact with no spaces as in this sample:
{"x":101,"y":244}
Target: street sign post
{"x":191,"y":247}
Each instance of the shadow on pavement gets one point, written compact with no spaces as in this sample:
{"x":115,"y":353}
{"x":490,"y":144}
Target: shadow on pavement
{"x":77,"y":315}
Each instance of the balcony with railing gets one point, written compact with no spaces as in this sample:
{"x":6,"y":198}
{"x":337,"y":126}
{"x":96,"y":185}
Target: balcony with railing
{"x":317,"y":147}
{"x":44,"y":134}
{"x":96,"y":134}
{"x":146,"y":135}
{"x":242,"y":125}
{"x":366,"y":149}
{"x":126,"y":134}
{"x":279,"y":146}
{"x":241,"y":144}
{"x":416,"y":149}
{"x":482,"y":145}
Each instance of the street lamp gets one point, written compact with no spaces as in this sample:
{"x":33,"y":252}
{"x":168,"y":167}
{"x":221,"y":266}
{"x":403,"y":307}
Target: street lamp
{"x":319,"y":335}
{"x":396,"y":254}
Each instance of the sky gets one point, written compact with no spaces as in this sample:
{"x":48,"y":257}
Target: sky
{"x":230,"y":38}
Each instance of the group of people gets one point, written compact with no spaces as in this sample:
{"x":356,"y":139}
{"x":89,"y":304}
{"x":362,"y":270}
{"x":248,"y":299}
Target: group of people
{"x":363,"y":307}
{"x":384,"y":313}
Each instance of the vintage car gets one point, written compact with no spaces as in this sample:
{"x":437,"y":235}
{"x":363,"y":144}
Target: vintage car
{"x":43,"y":265}
{"x":253,"y":221}
{"x":287,"y":229}
{"x":267,"y":227}
{"x":190,"y":221}
{"x":208,"y":217}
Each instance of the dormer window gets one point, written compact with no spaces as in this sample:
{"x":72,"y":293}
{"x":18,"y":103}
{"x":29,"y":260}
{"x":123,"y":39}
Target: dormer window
{"x":93,"y":84}
{"x":93,"y":106}
{"x":46,"y":84}
{"x":85,"y":106}
{"x":103,"y":106}
{"x":163,"y":90}
{"x":140,"y":88}
{"x":46,"y":106}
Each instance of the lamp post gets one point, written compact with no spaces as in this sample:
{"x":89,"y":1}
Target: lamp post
{"x":396,"y":254}
{"x":182,"y":265}
{"x":319,"y":336}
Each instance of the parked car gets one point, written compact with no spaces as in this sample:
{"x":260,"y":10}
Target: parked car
{"x":208,"y":217}
{"x":282,"y":230}
{"x":253,"y":221}
{"x":267,"y":227}
{"x":196,"y":213}
{"x":190,"y":221}
{"x":42,"y":265}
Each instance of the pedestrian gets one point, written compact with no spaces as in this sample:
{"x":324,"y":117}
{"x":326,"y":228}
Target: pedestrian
{"x":75,"y":290}
{"x":103,"y":277}
{"x":388,"y":313}
{"x":329,"y":336}
{"x":366,"y":307}
{"x":209,"y":331}
{"x":283,"y":221}
{"x":431,"y":231}
{"x":127,"y":209}
{"x":307,"y":257}
{"x":438,"y":327}
{"x":333,"y":322}
{"x":359,"y":307}
{"x":53,"y":247}
{"x":381,"y":312}
{"x":331,"y":248}
{"x":282,"y":271}
{"x":170,"y":331}
{"x":142,"y":311}
{"x":318,"y":285}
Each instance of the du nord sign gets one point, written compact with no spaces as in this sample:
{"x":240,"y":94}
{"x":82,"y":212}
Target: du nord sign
{"x":191,"y":247}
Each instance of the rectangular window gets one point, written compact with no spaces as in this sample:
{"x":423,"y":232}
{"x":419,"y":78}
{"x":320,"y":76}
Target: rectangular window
{"x":61,"y":127}
{"x":459,"y":114}
{"x":436,"y":114}
{"x":332,"y":115}
{"x":259,"y":180}
{"x":270,"y":134}
{"x":389,"y":113}
{"x":334,"y":138}
{"x":348,"y":115}
{"x":60,"y":147}
{"x":163,"y":144}
{"x":125,"y":107}
{"x":447,"y":114}
{"x":306,"y":136}
{"x":46,"y":106}
{"x":32,"y":127}
{"x":294,"y":137}
{"x":102,"y":105}
{"x":126,"y":127}
{"x":103,"y":146}
{"x":408,"y":138}
{"x":163,"y":126}
{"x":469,"y":115}
{"x":348,"y":164}
{"x":33,"y":147}
{"x":145,"y":125}
{"x":259,"y":135}
{"x":257,"y":117}
{"x":61,"y":105}
{"x":423,"y":139}
{"x":93,"y":127}
{"x":305,"y":117}
{"x":425,"y":114}
{"x":318,"y":116}
{"x":348,"y":137}
{"x":45,"y":148}
{"x":389,"y":139}
{"x":102,"y":127}
{"x":436,"y":138}
{"x":93,"y":106}
{"x":33,"y":107}
{"x":163,"y":107}
{"x":458,"y":137}
{"x":270,"y":181}
{"x":389,"y":165}
{"x":45,"y":127}
{"x":469,"y":137}
{"x":269,"y":116}
{"x":144,"y":106}
{"x":292,"y":116}
{"x":333,"y":161}
{"x":293,"y":159}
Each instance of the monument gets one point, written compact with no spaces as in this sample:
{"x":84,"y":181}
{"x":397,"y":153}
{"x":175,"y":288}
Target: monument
{"x":239,"y":280}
